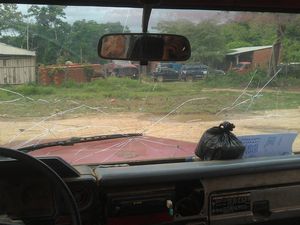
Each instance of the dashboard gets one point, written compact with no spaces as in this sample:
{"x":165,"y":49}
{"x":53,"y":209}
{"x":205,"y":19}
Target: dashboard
{"x":25,"y":197}
{"x":257,"y":191}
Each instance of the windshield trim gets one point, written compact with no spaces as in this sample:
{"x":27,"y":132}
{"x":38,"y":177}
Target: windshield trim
{"x":75,"y":140}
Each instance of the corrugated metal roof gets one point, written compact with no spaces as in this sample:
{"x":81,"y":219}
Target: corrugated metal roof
{"x":236,"y":51}
{"x":10,"y":50}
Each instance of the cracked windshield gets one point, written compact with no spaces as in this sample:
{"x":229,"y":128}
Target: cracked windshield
{"x":244,"y":68}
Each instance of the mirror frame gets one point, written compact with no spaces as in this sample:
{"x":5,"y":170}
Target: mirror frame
{"x":99,"y":47}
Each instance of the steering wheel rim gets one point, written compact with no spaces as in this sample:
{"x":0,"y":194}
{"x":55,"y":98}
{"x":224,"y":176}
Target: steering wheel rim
{"x":53,"y":177}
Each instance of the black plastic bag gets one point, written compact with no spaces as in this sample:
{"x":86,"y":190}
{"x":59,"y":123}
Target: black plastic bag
{"x":219,"y":143}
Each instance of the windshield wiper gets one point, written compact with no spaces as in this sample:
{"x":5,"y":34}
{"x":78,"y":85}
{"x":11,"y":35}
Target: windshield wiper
{"x":75,"y":140}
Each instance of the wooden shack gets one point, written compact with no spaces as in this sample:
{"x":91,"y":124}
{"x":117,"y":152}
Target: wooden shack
{"x":17,"y":65}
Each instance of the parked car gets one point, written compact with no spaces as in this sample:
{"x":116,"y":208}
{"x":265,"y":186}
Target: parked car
{"x":164,"y":74}
{"x":126,"y":71}
{"x":171,"y":65}
{"x":193,"y":72}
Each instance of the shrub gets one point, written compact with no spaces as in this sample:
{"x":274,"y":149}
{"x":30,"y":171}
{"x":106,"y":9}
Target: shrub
{"x":34,"y":90}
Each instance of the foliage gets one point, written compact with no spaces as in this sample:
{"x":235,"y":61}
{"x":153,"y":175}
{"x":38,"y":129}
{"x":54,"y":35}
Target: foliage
{"x":48,"y":32}
{"x":88,"y":72}
{"x":160,"y":98}
{"x":211,"y":40}
{"x":250,"y":33}
{"x":50,"y":16}
{"x":57,"y":41}
{"x":10,"y":18}
{"x":56,"y":70}
{"x":207,"y":42}
{"x":259,"y":78}
{"x":83,"y":39}
{"x":291,"y":42}
{"x":33,"y":89}
{"x":53,"y":39}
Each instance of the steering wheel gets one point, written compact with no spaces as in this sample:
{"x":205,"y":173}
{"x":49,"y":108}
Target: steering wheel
{"x":53,"y":177}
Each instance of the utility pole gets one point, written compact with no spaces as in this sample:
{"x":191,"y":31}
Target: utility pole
{"x":27,"y":41}
{"x":276,"y":49}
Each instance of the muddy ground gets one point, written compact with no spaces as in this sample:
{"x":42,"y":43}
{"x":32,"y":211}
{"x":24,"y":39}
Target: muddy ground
{"x":180,"y":127}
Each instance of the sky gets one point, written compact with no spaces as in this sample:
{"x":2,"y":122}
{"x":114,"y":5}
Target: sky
{"x":132,"y":17}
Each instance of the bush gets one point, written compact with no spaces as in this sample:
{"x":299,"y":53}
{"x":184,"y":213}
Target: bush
{"x":259,"y":79}
{"x":34,"y":90}
{"x":230,"y":80}
{"x":71,"y":84}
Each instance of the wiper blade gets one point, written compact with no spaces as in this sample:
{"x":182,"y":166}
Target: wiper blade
{"x":75,"y":140}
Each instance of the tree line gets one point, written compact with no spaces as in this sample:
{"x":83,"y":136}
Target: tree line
{"x":212,"y":39}
{"x":44,"y":29}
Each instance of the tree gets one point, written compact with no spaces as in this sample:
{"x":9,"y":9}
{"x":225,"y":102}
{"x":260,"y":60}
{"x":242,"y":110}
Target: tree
{"x":48,"y":33}
{"x":283,"y":33}
{"x":10,"y":18}
{"x":84,"y":38}
{"x":57,"y":41}
{"x":291,"y":41}
{"x":207,"y":41}
{"x":50,"y":16}
{"x":244,"y":34}
{"x":12,"y":28}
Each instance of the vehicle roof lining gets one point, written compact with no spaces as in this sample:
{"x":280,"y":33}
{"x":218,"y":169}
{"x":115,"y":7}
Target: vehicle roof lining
{"x":227,"y":5}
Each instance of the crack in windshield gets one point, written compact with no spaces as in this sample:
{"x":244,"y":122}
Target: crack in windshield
{"x":242,"y":69}
{"x":171,"y":112}
{"x":50,"y":128}
{"x":250,"y":98}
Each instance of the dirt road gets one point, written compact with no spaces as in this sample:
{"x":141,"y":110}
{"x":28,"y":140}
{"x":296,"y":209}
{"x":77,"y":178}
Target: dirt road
{"x":180,"y":127}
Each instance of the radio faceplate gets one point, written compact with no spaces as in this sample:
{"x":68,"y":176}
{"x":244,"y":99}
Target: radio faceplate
{"x":232,"y":203}
{"x":139,"y":201}
{"x":254,"y":205}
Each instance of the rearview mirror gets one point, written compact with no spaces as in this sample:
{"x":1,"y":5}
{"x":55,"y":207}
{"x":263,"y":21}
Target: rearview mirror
{"x":144,"y":47}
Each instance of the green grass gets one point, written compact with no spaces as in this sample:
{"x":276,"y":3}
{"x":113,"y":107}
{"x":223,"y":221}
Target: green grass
{"x":115,"y":95}
{"x":234,"y":80}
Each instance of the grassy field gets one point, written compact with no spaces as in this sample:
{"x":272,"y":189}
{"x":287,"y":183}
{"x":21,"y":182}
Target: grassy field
{"x":115,"y":95}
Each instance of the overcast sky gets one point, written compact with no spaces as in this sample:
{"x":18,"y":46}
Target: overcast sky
{"x":133,"y":17}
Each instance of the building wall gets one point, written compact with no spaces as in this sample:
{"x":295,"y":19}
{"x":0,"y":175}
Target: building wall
{"x":262,"y":58}
{"x":76,"y":72}
{"x":17,"y":70}
{"x":259,"y":58}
